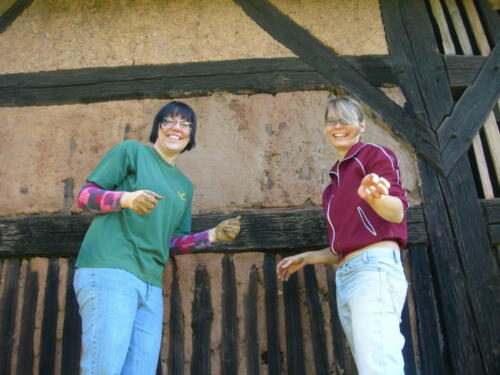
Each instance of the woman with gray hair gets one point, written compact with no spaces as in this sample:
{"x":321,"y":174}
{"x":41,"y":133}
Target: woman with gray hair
{"x":365,"y":210}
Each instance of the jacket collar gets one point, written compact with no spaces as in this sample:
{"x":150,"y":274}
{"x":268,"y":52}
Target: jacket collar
{"x":349,"y":154}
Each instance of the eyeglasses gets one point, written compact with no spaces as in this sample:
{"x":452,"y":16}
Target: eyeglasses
{"x":333,"y":122}
{"x":169,"y":122}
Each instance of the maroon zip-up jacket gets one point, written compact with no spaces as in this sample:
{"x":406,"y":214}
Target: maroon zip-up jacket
{"x":352,"y":224}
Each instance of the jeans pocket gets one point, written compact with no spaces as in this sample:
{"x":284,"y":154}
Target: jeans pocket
{"x":398,"y":287}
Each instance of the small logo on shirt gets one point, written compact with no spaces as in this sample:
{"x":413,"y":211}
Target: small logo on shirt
{"x":182,"y":196}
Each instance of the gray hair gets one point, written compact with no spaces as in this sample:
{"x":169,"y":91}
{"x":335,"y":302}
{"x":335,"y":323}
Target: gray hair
{"x":344,"y":110}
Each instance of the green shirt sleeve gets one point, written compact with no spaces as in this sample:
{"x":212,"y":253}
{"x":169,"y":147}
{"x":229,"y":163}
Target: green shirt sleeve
{"x":115,"y":166}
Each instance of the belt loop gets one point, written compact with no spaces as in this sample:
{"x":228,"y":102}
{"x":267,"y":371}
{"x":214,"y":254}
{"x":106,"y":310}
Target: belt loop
{"x":397,"y":258}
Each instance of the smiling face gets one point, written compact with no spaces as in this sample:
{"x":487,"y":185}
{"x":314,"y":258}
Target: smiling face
{"x":341,"y":133}
{"x":173,"y":135}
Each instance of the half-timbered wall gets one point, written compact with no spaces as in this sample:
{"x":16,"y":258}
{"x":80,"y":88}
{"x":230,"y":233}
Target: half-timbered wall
{"x":77,"y":77}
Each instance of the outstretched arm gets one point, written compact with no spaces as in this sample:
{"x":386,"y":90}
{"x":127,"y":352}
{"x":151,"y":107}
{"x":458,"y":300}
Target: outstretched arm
{"x":94,"y":198}
{"x":289,"y":265}
{"x":225,"y":231}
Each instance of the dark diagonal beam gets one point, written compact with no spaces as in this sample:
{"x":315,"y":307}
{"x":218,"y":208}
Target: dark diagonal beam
{"x":336,"y":70}
{"x":457,"y":131}
{"x":10,"y":10}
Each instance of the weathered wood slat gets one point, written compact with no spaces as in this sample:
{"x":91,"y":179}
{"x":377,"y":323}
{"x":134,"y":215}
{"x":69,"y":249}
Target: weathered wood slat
{"x":251,"y":325}
{"x":229,"y":340}
{"x":343,"y":357}
{"x":202,"y":319}
{"x":336,"y":70}
{"x":262,"y":230}
{"x":175,"y":326}
{"x":10,"y":11}
{"x":457,"y":131}
{"x":25,"y":352}
{"x":317,"y":323}
{"x":72,"y":327}
{"x":8,"y":313}
{"x":274,"y":354}
{"x":432,"y":357}
{"x":293,"y":326}
{"x":48,"y":339}
{"x":408,"y":352}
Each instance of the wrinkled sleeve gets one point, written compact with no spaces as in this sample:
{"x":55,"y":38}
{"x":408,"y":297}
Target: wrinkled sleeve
{"x":386,"y":164}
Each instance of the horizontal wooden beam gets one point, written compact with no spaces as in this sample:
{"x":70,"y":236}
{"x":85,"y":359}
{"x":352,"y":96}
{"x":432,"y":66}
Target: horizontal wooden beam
{"x":290,"y":229}
{"x":249,"y":76}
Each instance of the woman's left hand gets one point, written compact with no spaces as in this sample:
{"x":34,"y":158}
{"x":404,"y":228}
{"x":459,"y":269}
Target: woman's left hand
{"x":226,"y":230}
{"x":373,"y":187}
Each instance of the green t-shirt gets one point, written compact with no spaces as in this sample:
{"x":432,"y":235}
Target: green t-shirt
{"x":122,"y":239}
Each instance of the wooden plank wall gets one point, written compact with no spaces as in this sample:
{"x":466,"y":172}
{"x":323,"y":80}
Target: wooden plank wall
{"x":225,"y":311}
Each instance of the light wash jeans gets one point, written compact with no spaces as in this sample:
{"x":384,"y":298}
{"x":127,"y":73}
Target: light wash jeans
{"x":121,"y":322}
{"x":371,"y":291}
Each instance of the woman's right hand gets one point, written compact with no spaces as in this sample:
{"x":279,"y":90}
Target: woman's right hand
{"x":142,"y":202}
{"x":287,"y":266}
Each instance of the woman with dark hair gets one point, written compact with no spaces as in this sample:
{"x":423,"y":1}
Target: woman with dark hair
{"x":364,"y":206}
{"x":143,"y":203}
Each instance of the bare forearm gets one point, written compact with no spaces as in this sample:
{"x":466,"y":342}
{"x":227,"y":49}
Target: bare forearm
{"x":324,"y":256}
{"x":388,"y":208}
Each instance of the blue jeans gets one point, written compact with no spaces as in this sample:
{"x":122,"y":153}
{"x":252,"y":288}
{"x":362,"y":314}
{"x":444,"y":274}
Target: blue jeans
{"x":121,"y":322}
{"x":371,"y":291}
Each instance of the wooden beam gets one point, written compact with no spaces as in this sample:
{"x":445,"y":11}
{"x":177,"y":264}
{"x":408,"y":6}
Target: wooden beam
{"x":251,"y":325}
{"x":421,"y":68}
{"x":202,"y":318}
{"x":453,"y":230}
{"x":457,"y":131}
{"x":248,"y":76}
{"x":337,"y":71}
{"x":433,"y":357}
{"x":10,"y":10}
{"x":463,"y":70}
{"x":262,"y":230}
{"x":274,"y":356}
{"x":176,"y":350}
{"x":491,"y":20}
{"x":229,"y":322}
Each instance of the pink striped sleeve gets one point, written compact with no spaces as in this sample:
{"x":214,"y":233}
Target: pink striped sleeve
{"x":188,"y":244}
{"x":94,"y":198}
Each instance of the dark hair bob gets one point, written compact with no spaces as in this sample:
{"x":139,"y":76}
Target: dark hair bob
{"x":175,"y":109}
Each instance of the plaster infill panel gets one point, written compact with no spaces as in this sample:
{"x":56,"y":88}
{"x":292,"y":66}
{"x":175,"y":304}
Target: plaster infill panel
{"x":352,"y":27}
{"x":72,"y":34}
{"x":252,"y":151}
